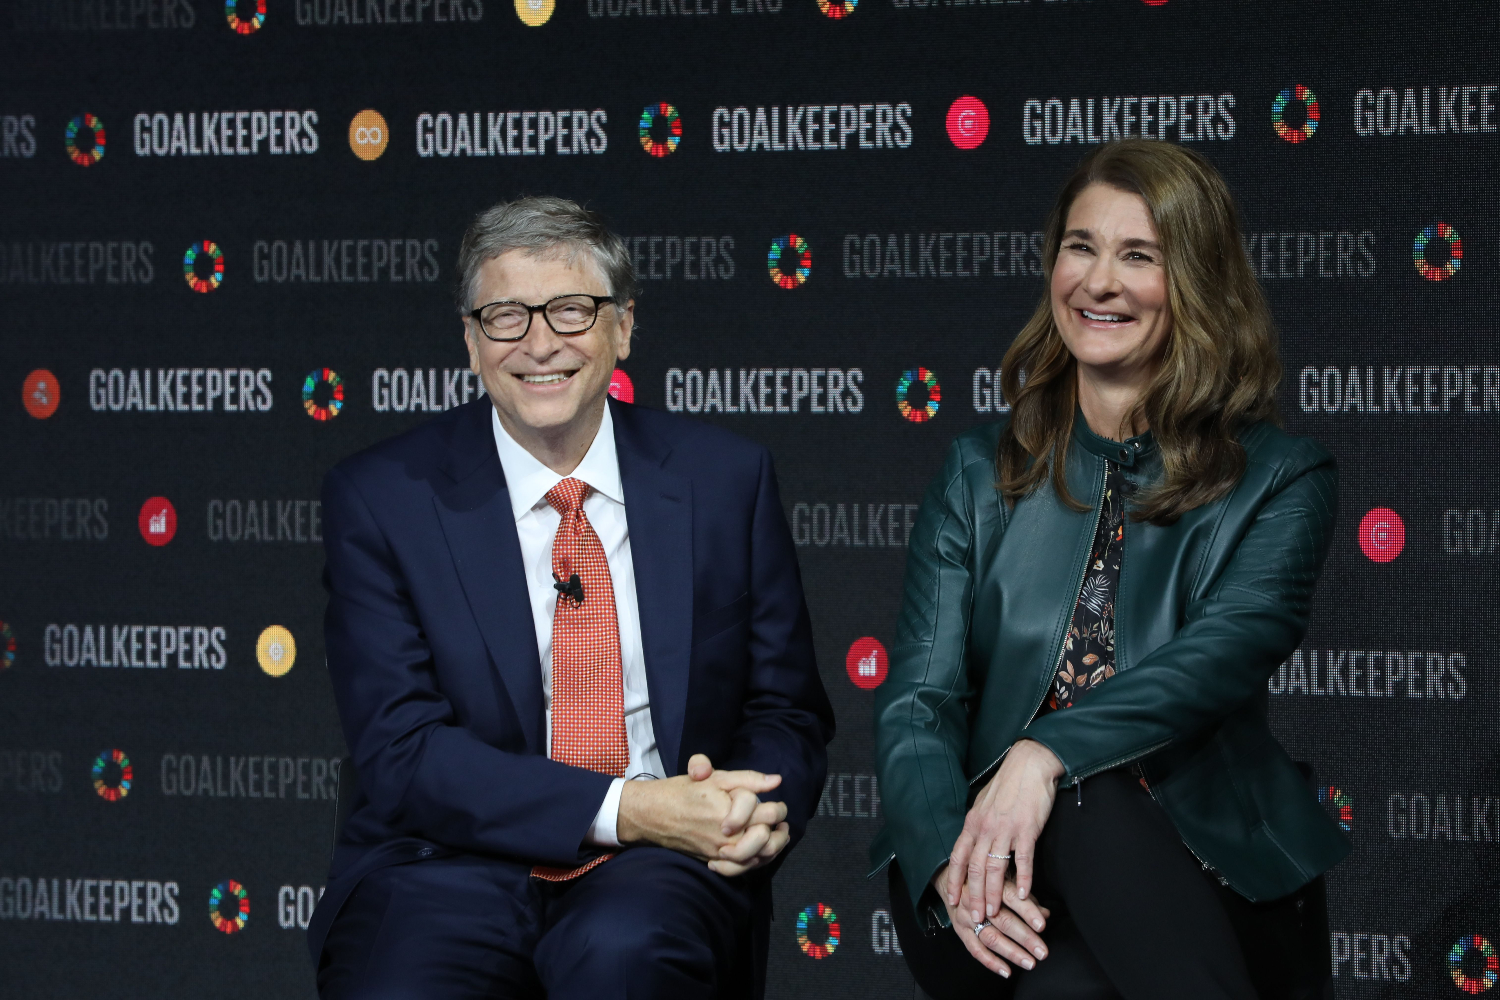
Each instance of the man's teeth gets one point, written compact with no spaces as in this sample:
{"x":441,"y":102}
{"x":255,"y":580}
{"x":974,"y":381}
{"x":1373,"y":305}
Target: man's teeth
{"x":546,"y":379}
{"x":1104,"y":317}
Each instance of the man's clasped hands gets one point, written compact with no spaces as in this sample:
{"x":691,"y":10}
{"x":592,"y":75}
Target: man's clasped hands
{"x":714,"y":815}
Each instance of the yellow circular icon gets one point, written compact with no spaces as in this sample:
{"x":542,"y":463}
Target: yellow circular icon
{"x":535,"y":13}
{"x":276,"y":650}
{"x":369,"y":134}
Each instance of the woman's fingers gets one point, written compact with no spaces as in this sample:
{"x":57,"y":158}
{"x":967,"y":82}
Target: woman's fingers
{"x":1024,"y":848}
{"x":1015,"y":930}
{"x":958,"y":862}
{"x":982,"y":954}
{"x":1027,"y":909}
{"x":995,"y":936}
{"x":994,"y":878}
{"x":974,"y":878}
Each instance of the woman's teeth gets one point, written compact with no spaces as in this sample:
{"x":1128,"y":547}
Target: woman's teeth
{"x":1104,"y":317}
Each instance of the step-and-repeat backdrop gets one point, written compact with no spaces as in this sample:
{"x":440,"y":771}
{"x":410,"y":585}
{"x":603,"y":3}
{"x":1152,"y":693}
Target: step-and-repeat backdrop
{"x":227,"y":251}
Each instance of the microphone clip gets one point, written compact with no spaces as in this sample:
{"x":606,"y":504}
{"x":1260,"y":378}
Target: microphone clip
{"x":572,"y":588}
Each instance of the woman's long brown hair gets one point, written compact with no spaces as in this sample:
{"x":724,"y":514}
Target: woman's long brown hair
{"x":1220,"y":368}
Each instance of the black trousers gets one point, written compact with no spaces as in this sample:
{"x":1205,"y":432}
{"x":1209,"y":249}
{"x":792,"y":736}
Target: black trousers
{"x":1134,"y":916}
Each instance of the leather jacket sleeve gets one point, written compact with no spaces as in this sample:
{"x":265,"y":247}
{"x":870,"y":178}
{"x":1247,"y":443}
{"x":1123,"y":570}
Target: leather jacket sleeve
{"x":922,"y":708}
{"x":1249,"y":621}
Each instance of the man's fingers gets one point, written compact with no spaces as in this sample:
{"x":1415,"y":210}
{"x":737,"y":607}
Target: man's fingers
{"x":1027,"y":909}
{"x":699,"y":767}
{"x":781,"y":835}
{"x":747,"y":846}
{"x":742,"y":803}
{"x":755,"y":781}
{"x":983,"y":955}
{"x":769,"y":813}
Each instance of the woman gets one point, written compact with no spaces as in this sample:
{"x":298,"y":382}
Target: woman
{"x":1096,"y":592}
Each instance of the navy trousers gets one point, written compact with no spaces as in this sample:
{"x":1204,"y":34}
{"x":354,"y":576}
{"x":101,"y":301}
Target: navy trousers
{"x":647,"y":923}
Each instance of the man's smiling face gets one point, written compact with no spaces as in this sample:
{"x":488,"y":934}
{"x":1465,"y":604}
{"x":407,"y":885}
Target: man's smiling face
{"x":545,"y":383}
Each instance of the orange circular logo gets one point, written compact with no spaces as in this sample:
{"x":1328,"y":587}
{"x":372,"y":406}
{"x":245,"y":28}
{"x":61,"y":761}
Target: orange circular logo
{"x":369,"y":134}
{"x":41,"y":394}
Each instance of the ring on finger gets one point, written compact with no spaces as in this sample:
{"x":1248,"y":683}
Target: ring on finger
{"x":999,"y":857}
{"x":979,"y":927}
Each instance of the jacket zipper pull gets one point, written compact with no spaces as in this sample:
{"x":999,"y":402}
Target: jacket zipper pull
{"x":1079,"y":787}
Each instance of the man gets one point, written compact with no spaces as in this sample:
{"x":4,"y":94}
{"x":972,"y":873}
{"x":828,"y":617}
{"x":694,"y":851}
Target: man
{"x":535,"y":599}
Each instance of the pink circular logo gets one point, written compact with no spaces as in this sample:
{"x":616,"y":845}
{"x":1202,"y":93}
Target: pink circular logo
{"x":620,"y":386}
{"x":158,"y":521}
{"x":968,"y":122}
{"x":867,"y":663}
{"x":1382,"y":535}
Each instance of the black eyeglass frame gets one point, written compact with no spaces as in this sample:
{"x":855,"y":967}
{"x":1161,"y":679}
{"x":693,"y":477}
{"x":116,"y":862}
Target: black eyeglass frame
{"x":531,"y":312}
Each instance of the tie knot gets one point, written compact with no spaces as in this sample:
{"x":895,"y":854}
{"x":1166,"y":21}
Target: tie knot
{"x":567,"y":496}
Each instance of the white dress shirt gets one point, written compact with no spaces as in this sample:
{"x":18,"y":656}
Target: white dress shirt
{"x":536,"y":525}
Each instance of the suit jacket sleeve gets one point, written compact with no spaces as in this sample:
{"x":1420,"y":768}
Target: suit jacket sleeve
{"x":424,"y":773}
{"x":787,"y":721}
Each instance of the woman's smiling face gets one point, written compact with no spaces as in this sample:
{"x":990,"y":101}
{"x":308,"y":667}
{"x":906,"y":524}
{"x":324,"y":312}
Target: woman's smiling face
{"x":1109,"y":285}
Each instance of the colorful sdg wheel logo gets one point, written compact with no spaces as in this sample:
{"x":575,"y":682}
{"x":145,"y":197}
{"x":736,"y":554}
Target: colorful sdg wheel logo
{"x":112,"y":775}
{"x":229,"y":907}
{"x":672,"y":122}
{"x":245,"y":25}
{"x":837,"y":9}
{"x":85,"y":153}
{"x":904,"y":384}
{"x":1446,"y":270}
{"x":7,"y":647}
{"x":1343,"y":805}
{"x":793,"y":273}
{"x":1295,"y":133}
{"x":210,"y":252}
{"x":807,"y":931}
{"x":322,"y":394}
{"x":1487,"y":965}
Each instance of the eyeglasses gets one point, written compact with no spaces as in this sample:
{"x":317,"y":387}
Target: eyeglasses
{"x":567,"y":315}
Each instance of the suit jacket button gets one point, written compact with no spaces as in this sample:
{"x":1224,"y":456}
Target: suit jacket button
{"x":425,"y":852}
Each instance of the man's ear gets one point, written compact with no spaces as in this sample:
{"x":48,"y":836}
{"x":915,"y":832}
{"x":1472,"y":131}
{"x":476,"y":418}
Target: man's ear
{"x":473,"y":347}
{"x":626,"y":330}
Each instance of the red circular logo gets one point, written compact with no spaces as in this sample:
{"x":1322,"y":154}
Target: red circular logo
{"x":968,"y":122}
{"x":1382,"y":535}
{"x":41,"y":394}
{"x":158,"y":521}
{"x":867,"y":663}
{"x":620,"y":386}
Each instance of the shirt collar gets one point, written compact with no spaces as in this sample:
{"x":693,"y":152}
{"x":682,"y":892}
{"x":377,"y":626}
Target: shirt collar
{"x":528,"y":480}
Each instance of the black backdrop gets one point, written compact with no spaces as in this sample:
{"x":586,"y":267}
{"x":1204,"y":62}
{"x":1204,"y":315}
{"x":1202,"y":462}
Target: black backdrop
{"x":920,"y":258}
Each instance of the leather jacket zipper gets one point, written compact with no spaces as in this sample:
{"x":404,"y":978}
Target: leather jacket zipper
{"x":1141,"y":771}
{"x":1062,"y":645}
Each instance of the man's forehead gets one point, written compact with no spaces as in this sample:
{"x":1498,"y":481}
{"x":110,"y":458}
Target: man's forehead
{"x":524,"y":267}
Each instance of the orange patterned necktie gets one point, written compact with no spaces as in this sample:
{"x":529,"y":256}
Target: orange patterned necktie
{"x":588,"y":699}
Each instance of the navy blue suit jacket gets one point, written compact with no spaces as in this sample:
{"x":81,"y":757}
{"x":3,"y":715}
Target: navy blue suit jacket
{"x":433,"y":654}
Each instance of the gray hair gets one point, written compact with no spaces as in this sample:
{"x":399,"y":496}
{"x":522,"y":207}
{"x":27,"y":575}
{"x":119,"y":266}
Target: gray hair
{"x":541,"y":227}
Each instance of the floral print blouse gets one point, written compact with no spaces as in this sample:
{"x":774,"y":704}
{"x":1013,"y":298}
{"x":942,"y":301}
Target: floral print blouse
{"x":1089,"y":652}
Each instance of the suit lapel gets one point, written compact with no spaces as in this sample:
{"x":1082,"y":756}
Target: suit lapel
{"x":659,"y":513}
{"x":480,"y":529}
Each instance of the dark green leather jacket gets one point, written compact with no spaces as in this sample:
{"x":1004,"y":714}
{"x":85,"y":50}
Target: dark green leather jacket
{"x":1206,"y":610}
